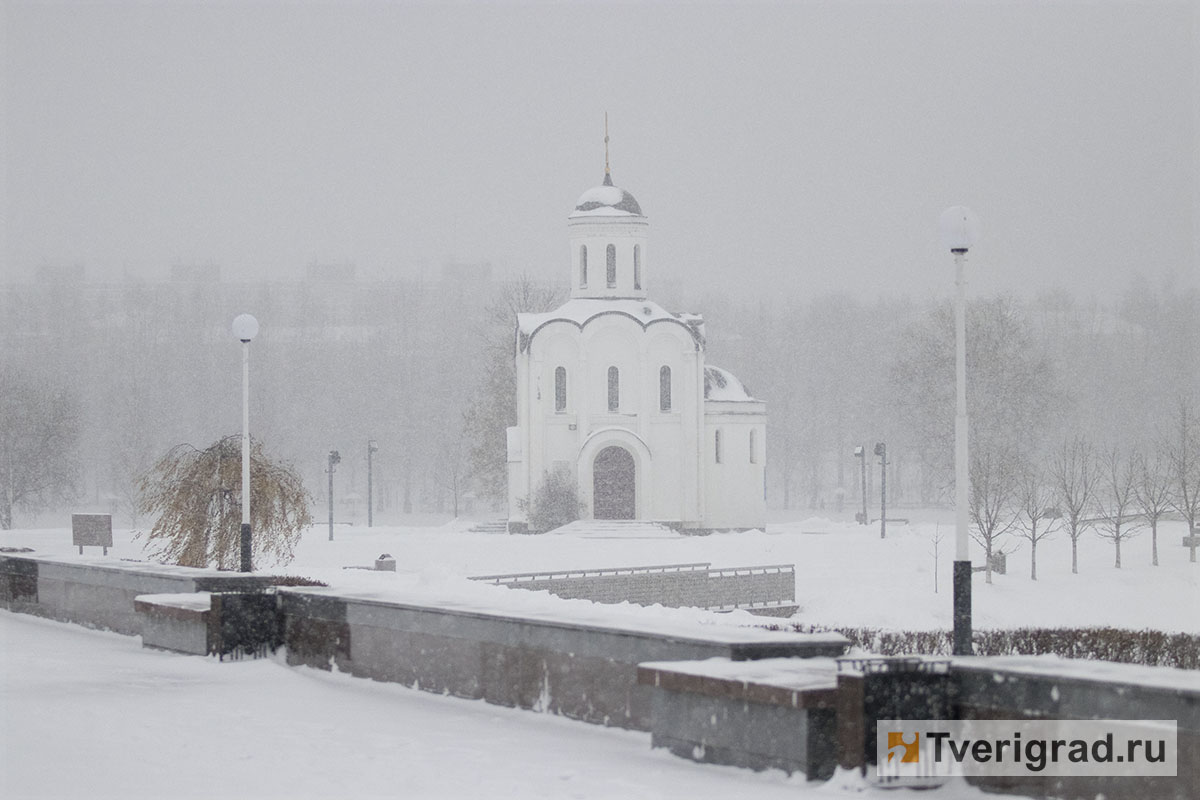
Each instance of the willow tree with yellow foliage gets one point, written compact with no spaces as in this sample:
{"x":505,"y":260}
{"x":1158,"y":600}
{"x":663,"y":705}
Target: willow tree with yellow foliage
{"x":196,"y":498}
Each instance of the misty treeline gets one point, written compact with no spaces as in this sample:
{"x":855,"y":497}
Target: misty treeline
{"x":101,"y":380}
{"x":1084,"y":415}
{"x":149,"y":366}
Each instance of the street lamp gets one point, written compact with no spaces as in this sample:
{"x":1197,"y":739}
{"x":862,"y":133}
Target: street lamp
{"x":334,"y":460}
{"x":881,"y":451}
{"x":371,"y":450}
{"x":959,"y":228}
{"x":861,"y":454}
{"x":245,"y":328}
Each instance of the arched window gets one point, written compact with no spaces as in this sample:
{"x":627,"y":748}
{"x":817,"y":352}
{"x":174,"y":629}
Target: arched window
{"x":614,"y":389}
{"x":717,"y":447}
{"x":753,"y":446}
{"x":612,"y":266}
{"x":560,"y":389}
{"x":583,"y":266}
{"x":664,"y":389}
{"x":637,"y":266}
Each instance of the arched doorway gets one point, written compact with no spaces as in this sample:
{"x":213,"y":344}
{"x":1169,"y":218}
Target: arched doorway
{"x":614,"y":493}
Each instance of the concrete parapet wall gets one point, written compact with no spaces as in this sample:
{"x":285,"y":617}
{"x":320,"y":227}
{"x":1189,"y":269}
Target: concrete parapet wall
{"x":88,"y":593}
{"x":675,"y":586}
{"x":1033,"y":688}
{"x":177,"y":622}
{"x":582,"y":671}
{"x":1024,"y":688}
{"x":101,"y":594}
{"x":739,"y":714}
{"x":674,"y":589}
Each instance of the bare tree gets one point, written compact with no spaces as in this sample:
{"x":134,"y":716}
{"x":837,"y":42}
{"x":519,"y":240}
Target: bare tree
{"x":1013,"y":391}
{"x":992,"y":498}
{"x":196,"y":495}
{"x":1073,"y":472}
{"x":1118,"y":499}
{"x":1035,"y":511}
{"x":1183,"y":453}
{"x":493,"y":406}
{"x":1153,"y":490}
{"x":39,"y":443}
{"x":937,"y":539}
{"x":449,"y":469}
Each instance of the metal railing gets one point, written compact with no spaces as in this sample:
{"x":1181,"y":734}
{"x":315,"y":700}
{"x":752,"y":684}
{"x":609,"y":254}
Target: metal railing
{"x":596,"y":573}
{"x":766,"y":569}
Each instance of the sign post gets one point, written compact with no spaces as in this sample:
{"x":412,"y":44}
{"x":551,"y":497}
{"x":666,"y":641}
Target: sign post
{"x":92,"y":530}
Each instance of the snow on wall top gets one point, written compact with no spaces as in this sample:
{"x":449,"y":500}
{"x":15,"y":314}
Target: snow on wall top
{"x":722,"y":385}
{"x":606,"y":201}
{"x":798,"y":674}
{"x":1051,"y":666}
{"x":581,"y":311}
{"x":455,"y":595}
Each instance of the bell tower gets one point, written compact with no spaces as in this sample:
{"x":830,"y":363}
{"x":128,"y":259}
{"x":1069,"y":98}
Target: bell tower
{"x":608,"y":241}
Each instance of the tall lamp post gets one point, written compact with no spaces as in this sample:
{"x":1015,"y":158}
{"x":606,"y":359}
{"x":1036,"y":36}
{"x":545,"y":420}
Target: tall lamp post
{"x":334,"y":459}
{"x":959,"y":228}
{"x":245,"y":328}
{"x":371,"y":450}
{"x":861,"y":454}
{"x":881,"y":451}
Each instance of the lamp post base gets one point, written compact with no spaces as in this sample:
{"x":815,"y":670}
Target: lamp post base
{"x":246,"y":548}
{"x":962,"y":608}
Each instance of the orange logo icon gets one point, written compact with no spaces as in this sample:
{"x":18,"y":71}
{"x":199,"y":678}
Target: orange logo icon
{"x":909,"y":751}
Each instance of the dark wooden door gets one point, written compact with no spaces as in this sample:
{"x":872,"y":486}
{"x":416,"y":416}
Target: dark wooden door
{"x":614,"y":495}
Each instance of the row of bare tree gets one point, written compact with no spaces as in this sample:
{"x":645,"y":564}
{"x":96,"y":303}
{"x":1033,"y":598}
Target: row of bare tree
{"x":1112,"y":492}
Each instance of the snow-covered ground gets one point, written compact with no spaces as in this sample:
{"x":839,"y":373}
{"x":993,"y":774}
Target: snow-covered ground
{"x":91,"y":714}
{"x":845,"y":574}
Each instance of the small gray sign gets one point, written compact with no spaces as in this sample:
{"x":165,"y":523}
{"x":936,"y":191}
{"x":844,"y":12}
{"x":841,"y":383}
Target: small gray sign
{"x":92,"y":530}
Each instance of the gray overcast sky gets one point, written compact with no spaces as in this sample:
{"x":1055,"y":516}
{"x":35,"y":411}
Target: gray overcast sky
{"x":799,"y":147}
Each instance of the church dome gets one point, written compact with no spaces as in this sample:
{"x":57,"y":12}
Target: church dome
{"x":607,"y":200}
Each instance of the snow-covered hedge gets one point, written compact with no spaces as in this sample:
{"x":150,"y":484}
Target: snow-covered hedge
{"x":1148,"y":647}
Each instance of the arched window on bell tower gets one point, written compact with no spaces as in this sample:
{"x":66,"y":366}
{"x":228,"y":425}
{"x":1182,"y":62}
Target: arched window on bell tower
{"x":614,"y":389}
{"x":611,"y":271}
{"x":664,"y":389}
{"x":637,"y":266}
{"x":583,"y":266}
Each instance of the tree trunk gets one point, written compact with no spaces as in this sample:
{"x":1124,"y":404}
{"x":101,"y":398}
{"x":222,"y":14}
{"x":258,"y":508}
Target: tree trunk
{"x":1074,"y":555}
{"x":1117,"y":542}
{"x":1154,"y":541}
{"x":1033,"y":558}
{"x":988,"y":560}
{"x":407,"y":488}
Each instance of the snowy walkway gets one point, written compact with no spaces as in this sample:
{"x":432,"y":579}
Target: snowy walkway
{"x":91,"y":714}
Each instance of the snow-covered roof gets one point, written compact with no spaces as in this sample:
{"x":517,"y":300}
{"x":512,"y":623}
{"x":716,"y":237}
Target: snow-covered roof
{"x":580,"y":311}
{"x":606,"y":200}
{"x":722,"y":385}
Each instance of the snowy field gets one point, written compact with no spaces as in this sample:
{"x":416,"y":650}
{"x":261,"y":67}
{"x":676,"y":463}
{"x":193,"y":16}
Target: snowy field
{"x":91,"y":714}
{"x":845,"y":574}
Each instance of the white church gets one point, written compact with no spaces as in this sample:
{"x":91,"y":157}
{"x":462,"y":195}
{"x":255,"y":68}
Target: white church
{"x":614,"y":391}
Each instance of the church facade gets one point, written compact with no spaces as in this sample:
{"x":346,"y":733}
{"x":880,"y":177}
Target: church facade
{"x":613,"y":393}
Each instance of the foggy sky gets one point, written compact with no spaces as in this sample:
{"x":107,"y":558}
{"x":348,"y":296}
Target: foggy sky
{"x":783,"y":148}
